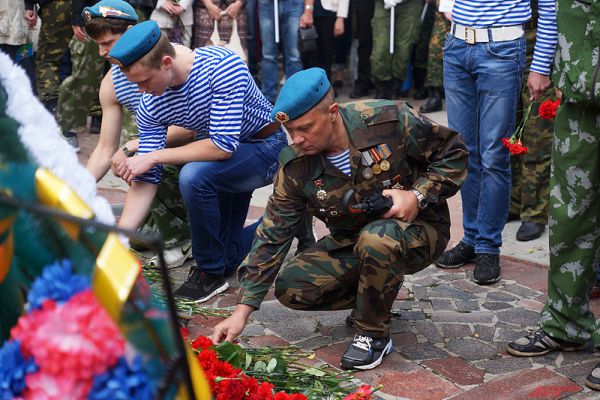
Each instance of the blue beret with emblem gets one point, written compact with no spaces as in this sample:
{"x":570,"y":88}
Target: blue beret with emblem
{"x":135,"y":43}
{"x":118,"y":9}
{"x":301,"y":92}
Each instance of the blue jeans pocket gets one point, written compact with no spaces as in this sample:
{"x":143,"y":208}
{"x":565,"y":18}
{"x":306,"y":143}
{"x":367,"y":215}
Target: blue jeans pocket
{"x":509,"y":50}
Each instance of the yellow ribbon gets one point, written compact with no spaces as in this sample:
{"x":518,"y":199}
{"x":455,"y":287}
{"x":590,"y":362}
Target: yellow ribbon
{"x":7,"y":247}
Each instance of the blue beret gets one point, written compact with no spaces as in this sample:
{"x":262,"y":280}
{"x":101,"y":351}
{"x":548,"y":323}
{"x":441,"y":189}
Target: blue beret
{"x":301,"y":92}
{"x":135,"y":43}
{"x":118,"y":9}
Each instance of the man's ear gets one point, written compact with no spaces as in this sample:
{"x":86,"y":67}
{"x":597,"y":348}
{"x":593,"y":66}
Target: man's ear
{"x":333,"y":111}
{"x":167,"y":62}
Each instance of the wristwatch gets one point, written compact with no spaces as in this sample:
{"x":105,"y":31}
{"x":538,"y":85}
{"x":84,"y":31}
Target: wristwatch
{"x":421,"y":200}
{"x":127,"y":152}
{"x":309,"y":7}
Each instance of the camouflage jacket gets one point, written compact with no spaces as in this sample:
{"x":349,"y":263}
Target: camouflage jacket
{"x":424,"y":156}
{"x":576,"y":66}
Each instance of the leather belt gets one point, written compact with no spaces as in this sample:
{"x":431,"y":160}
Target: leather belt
{"x":485,"y":35}
{"x":267,"y":130}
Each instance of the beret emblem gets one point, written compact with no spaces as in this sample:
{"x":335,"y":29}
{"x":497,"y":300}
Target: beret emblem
{"x":281,"y":117}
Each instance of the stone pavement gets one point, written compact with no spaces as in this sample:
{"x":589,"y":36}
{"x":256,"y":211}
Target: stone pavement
{"x":449,"y":334}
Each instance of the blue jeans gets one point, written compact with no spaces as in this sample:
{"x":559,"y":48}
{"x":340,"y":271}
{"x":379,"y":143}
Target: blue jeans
{"x":289,"y":22}
{"x":483,"y":85}
{"x":217,"y":197}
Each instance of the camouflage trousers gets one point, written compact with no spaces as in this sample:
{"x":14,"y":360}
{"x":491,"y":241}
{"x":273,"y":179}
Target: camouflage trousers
{"x":420,"y":55}
{"x":385,"y":66}
{"x":53,"y":41}
{"x":364,"y":276}
{"x":435,"y":72}
{"x":573,"y":224}
{"x":78,"y":94}
{"x":531,"y":172}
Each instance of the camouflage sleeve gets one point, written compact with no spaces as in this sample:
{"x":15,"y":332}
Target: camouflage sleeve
{"x":442,"y":153}
{"x":274,"y":236}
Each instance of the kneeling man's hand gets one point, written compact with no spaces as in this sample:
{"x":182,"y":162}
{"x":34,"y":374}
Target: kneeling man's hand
{"x":230,"y":328}
{"x":134,"y":166}
{"x":405,"y":205}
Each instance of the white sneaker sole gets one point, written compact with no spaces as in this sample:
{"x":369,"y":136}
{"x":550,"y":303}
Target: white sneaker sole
{"x":213,"y":293}
{"x":387,"y":350}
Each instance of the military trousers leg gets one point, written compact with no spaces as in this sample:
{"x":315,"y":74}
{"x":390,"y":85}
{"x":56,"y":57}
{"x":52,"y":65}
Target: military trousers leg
{"x":573,"y":224}
{"x":365,"y":276}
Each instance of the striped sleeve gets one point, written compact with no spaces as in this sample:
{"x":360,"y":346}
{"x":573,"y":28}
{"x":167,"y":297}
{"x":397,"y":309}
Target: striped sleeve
{"x":229,"y":83}
{"x":153,"y":136}
{"x":546,"y":37}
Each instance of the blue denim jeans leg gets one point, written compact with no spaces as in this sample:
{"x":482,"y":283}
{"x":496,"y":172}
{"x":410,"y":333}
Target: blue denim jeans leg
{"x":289,"y":22}
{"x":217,"y":196}
{"x":483,"y":85}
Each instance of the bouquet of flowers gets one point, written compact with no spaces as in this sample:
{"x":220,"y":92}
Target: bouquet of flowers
{"x":514,"y":144}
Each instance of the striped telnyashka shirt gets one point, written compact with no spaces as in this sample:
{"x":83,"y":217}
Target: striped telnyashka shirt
{"x":219,"y":100}
{"x":496,"y":13}
{"x":127,"y":93}
{"x":341,"y":161}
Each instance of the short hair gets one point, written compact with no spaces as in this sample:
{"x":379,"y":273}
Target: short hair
{"x":98,"y":27}
{"x":153,"y":58}
{"x":326,"y":102}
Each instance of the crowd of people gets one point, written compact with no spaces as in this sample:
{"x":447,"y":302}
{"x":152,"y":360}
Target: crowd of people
{"x":212,"y":128}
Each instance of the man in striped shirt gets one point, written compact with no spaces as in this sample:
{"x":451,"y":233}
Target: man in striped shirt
{"x":209,"y":91}
{"x":484,"y":61}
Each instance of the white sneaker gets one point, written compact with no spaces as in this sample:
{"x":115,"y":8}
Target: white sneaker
{"x":175,"y":256}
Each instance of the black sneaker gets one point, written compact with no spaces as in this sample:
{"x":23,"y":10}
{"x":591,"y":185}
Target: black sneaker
{"x":201,"y":286}
{"x":540,"y":343}
{"x":530,"y":231}
{"x":461,"y":254}
{"x":366,"y":352}
{"x":487,"y":269}
{"x":593,"y":379}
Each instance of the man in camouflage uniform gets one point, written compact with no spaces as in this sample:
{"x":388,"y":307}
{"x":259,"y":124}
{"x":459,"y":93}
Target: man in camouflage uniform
{"x":352,"y":151}
{"x":53,"y":42}
{"x":421,"y":52}
{"x":78,"y":94}
{"x":531,"y":171}
{"x":435,"y":74}
{"x":566,"y":321}
{"x":389,"y":70}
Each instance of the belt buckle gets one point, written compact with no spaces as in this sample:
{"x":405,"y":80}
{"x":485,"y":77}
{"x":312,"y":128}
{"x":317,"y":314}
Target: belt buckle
{"x":470,"y":35}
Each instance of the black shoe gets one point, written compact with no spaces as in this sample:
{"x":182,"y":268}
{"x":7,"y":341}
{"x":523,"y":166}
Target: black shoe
{"x":540,"y":343}
{"x":421,"y":93}
{"x":383,"y":89}
{"x":461,"y":254}
{"x":201,"y":286}
{"x":529,"y":231}
{"x":487,"y":268}
{"x":350,"y":319}
{"x":593,"y":379}
{"x":366,"y":352}
{"x":358,"y":91}
{"x":434,"y":103}
{"x":95,"y":124}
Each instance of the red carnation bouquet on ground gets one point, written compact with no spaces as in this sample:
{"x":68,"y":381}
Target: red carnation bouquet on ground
{"x":514,"y":144}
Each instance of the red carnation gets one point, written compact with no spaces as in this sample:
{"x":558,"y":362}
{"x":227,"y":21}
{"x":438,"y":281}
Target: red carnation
{"x":202,"y":342}
{"x":548,"y":109}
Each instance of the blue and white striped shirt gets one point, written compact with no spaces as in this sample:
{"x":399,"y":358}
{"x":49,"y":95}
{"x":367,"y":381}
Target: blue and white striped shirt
{"x":219,"y":100}
{"x":127,"y":92}
{"x":495,"y":13}
{"x":341,"y":161}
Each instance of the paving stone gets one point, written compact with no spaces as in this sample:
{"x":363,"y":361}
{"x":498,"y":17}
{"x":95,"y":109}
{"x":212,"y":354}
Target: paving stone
{"x":586,"y":394}
{"x":429,"y":331}
{"x":505,"y":364}
{"x":578,"y":372}
{"x":296,"y":329}
{"x":452,"y":276}
{"x":268,"y":341}
{"x":417,"y":315}
{"x":496,"y":305}
{"x":455,"y":330}
{"x":467,"y":306}
{"x":341,"y":332}
{"x":417,"y":385}
{"x":253,"y":330}
{"x":521,"y":291}
{"x":469,"y":286}
{"x":315,"y":342}
{"x":427,"y":281}
{"x":420,"y":293}
{"x":442,"y":304}
{"x":500,"y":296}
{"x":519,"y":316}
{"x":332,"y":318}
{"x":472,"y":317}
{"x":411,"y":304}
{"x":399,"y":326}
{"x":421,"y":351}
{"x":401,"y":339}
{"x":531,"y":304}
{"x":456,"y":370}
{"x":273,"y":311}
{"x":540,"y":383}
{"x":403,"y":293}
{"x":471,"y":349}
{"x":446,"y":291}
{"x":484,"y":333}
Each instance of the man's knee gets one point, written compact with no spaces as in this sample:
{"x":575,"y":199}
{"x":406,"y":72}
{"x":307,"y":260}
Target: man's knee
{"x":288,"y":292}
{"x":379,"y":239}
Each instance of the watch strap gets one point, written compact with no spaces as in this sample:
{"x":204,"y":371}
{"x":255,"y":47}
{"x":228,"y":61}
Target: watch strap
{"x":127,"y":152}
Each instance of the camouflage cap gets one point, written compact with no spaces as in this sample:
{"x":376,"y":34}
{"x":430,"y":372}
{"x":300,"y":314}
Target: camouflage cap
{"x":118,"y":9}
{"x":301,"y":92}
{"x":135,"y":43}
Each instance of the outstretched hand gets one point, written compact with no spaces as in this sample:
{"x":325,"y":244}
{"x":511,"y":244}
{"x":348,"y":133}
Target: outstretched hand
{"x":231,"y":327}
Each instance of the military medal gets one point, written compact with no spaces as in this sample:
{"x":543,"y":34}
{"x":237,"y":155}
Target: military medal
{"x":385,"y":165}
{"x":376,"y":169}
{"x":383,"y":152}
{"x":367,"y":173}
{"x":321,"y":194}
